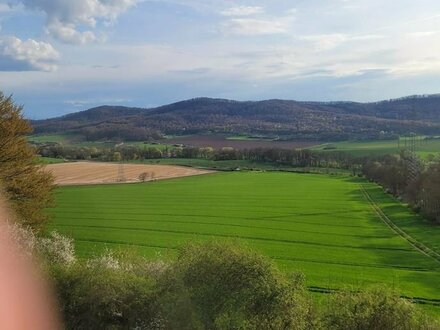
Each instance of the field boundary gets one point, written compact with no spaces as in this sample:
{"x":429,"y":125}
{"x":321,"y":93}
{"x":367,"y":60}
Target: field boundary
{"x":422,"y":248}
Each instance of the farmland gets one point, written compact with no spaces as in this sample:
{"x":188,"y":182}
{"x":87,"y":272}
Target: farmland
{"x":424,"y":148}
{"x":80,"y":173}
{"x":236,"y":142}
{"x":320,"y":225}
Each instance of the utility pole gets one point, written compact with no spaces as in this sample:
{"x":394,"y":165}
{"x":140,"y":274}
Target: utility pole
{"x":121,"y":173}
{"x":413,"y":161}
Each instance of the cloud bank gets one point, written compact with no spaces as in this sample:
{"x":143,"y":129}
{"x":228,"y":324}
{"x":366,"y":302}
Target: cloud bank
{"x":75,"y":21}
{"x":28,"y":55}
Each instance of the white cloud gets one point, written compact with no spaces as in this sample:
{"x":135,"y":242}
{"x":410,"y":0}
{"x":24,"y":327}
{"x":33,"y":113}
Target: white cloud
{"x":243,"y":11}
{"x":324,"y":42}
{"x":88,"y":102}
{"x":422,"y":34}
{"x":252,"y":26}
{"x":29,"y":55}
{"x":67,"y":33}
{"x":66,"y":19}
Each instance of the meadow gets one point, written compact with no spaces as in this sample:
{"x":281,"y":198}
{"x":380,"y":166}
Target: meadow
{"x":424,"y":148}
{"x":320,"y":225}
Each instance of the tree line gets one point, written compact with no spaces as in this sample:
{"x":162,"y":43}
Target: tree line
{"x":409,"y":179}
{"x":291,"y":157}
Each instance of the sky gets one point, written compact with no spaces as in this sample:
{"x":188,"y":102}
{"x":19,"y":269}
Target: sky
{"x":61,"y":56}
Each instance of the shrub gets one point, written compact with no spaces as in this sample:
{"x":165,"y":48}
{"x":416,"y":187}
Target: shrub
{"x":221,"y":286}
{"x":372,"y":309}
{"x":107,"y":293}
{"x":56,"y":248}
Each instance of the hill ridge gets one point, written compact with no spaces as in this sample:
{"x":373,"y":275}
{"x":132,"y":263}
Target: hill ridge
{"x":285,"y":119}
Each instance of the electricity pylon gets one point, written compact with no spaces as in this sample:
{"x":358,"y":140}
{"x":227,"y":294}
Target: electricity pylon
{"x":121,"y":173}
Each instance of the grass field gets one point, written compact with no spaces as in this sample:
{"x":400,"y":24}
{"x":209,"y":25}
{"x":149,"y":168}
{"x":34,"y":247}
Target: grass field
{"x":51,"y":138}
{"x":321,"y":225}
{"x":49,"y":160}
{"x":248,"y":138}
{"x":424,"y":148}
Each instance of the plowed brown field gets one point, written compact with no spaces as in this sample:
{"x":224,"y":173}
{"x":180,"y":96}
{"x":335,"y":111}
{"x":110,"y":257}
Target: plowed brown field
{"x":82,"y":173}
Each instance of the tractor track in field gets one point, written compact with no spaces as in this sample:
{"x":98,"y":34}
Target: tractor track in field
{"x":137,"y":220}
{"x":234,"y":236}
{"x":422,"y":248}
{"x":327,"y":262}
{"x":291,"y":220}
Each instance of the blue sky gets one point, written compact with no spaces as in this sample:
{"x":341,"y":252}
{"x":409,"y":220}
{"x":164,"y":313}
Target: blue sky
{"x":60,"y":56}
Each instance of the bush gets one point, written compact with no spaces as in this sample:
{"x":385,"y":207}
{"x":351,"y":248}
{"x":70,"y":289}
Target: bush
{"x":222,"y":286}
{"x":56,"y":248}
{"x":209,"y":286}
{"x":108,"y":292}
{"x":372,"y":309}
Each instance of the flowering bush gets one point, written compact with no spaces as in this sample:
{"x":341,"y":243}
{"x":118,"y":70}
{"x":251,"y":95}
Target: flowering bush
{"x":57,"y":248}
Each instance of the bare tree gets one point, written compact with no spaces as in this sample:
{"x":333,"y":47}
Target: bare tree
{"x":143,"y":177}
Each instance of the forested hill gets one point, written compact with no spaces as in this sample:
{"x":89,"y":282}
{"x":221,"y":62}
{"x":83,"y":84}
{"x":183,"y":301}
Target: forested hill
{"x":280,"y":118}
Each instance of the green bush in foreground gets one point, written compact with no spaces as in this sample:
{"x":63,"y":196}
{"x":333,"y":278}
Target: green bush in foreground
{"x":222,"y":286}
{"x":375,"y":308}
{"x":212,"y":286}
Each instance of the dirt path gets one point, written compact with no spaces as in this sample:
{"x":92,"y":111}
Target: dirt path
{"x":82,"y":173}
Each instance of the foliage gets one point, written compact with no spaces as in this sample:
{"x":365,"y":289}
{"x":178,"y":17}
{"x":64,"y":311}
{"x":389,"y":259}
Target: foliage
{"x":52,"y":249}
{"x":56,"y":248}
{"x":221,"y":286}
{"x":273,"y":156}
{"x":375,"y":308}
{"x":27,"y":187}
{"x":422,"y":191}
{"x":95,"y":297}
{"x":216,"y":285}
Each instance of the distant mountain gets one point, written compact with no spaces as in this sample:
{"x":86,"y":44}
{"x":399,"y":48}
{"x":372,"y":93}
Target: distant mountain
{"x":280,"y":118}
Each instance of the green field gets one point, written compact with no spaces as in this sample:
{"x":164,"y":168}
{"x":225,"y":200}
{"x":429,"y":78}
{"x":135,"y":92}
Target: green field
{"x":249,"y":138}
{"x":52,"y":138}
{"x":424,"y":148}
{"x":49,"y":160}
{"x":318,"y":224}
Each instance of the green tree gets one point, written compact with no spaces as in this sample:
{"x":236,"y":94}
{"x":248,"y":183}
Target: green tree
{"x":117,"y":156}
{"x":372,"y":309}
{"x":24,"y":183}
{"x":224,"y":286}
